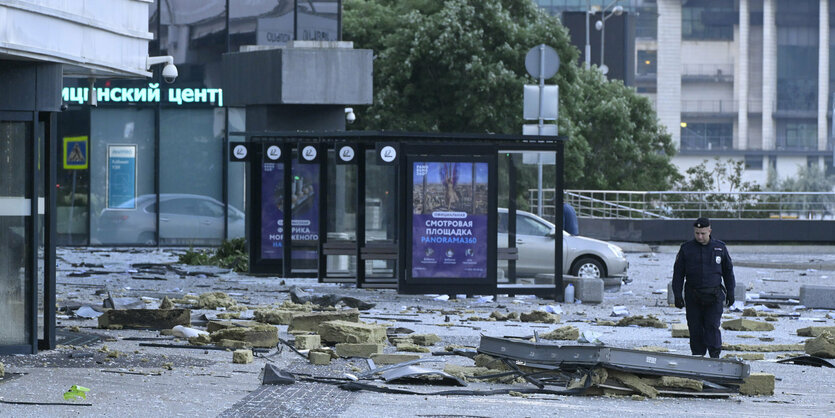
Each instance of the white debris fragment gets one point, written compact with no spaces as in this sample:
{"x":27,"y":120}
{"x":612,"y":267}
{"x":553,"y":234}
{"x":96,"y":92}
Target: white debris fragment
{"x":737,"y":306}
{"x":589,"y":337}
{"x":441,"y":298}
{"x":87,"y":312}
{"x":752,"y":296}
{"x":659,"y":291}
{"x":186,"y":332}
{"x":554,"y":309}
{"x":628,"y":292}
{"x":484,"y":299}
{"x":619,"y":311}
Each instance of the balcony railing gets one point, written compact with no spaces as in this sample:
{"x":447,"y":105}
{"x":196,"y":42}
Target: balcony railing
{"x":723,"y":71}
{"x":708,"y":106}
{"x":707,"y":142}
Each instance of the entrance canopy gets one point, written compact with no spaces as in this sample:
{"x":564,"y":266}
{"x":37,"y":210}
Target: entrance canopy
{"x":420,"y":212}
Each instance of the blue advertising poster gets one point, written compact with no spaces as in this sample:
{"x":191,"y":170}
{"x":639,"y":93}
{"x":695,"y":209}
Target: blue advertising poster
{"x":449,"y":220}
{"x":304,"y":192}
{"x":121,"y":176}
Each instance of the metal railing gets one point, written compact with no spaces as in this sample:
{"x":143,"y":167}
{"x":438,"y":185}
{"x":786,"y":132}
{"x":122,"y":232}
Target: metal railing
{"x":618,"y":204}
{"x":708,"y":70}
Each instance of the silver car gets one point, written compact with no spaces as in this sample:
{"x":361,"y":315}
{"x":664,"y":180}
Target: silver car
{"x":184,"y":219}
{"x":584,"y":257}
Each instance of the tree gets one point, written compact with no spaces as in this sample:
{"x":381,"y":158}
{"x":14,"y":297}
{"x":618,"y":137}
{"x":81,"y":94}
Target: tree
{"x":809,"y":179}
{"x":458,"y":66}
{"x":728,"y":196}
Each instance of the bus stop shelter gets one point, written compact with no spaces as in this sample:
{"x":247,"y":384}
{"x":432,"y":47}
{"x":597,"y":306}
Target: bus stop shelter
{"x":418,"y":212}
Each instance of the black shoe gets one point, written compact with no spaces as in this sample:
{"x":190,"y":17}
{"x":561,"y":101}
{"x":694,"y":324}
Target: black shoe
{"x":714,"y":354}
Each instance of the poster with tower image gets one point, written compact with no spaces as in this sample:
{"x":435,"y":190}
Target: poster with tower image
{"x":449,"y":219}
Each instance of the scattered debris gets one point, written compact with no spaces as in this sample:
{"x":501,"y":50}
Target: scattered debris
{"x":642,"y":321}
{"x":821,"y":346}
{"x":747,"y":356}
{"x":308,"y":342}
{"x":414,"y":348}
{"x":214,"y":300}
{"x":242,"y":357}
{"x":763,"y":348}
{"x":275,"y":376}
{"x":814,"y":331}
{"x":357,"y":350}
{"x":807,"y":361}
{"x":411,"y":372}
{"x":145,"y":318}
{"x":351,"y":332}
{"x":319,"y":358}
{"x":758,"y":384}
{"x":567,"y":332}
{"x":393,"y":358}
{"x":539,"y":316}
{"x":311,"y":321}
{"x":298,"y":295}
{"x":619,"y":311}
{"x":261,"y":335}
{"x":166,"y":303}
{"x":87,"y":312}
{"x":680,"y":331}
{"x":425,"y":339}
{"x":747,"y":325}
{"x":2,"y":369}
{"x":501,"y":316}
{"x":274,"y":316}
{"x":186,"y":332}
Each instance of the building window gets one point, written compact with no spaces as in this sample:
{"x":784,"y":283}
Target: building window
{"x":797,"y":68}
{"x":647,"y":62}
{"x":798,"y":136}
{"x":753,"y":162}
{"x":828,"y":166}
{"x":708,"y":20}
{"x":706,"y":136}
{"x":812,"y":161}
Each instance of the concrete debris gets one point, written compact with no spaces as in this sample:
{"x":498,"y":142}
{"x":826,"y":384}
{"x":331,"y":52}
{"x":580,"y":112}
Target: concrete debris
{"x":767,"y":348}
{"x":539,"y":316}
{"x":202,"y":339}
{"x":289,"y":305}
{"x":746,"y":325}
{"x":123,"y":303}
{"x":425,"y":339}
{"x":821,"y":346}
{"x":214,"y":300}
{"x":166,"y":303}
{"x":605,"y":322}
{"x":758,"y":384}
{"x":351,"y":332}
{"x":653,"y":348}
{"x":298,"y":295}
{"x":413,"y":348}
{"x":635,"y":383}
{"x":501,"y":316}
{"x":676,"y":382}
{"x":380,"y":359}
{"x":229,"y":315}
{"x":87,"y":312}
{"x":815,"y":331}
{"x":308,"y":342}
{"x":213,"y":326}
{"x":233,"y":344}
{"x":260,"y":335}
{"x":567,"y":333}
{"x":274,"y":316}
{"x":490,"y":362}
{"x":242,"y":357}
{"x":358,"y":350}
{"x":2,"y":369}
{"x":319,"y":358}
{"x":145,"y":318}
{"x":311,"y":321}
{"x":680,"y":331}
{"x":468,"y":374}
{"x":642,"y":321}
{"x":747,"y":356}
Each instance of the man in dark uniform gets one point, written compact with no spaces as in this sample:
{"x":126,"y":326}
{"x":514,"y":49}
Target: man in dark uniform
{"x":702,"y":264}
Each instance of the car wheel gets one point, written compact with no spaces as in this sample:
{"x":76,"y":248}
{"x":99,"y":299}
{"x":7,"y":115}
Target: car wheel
{"x":587,"y":267}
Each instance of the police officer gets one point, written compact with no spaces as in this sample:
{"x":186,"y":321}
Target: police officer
{"x":702,"y":264}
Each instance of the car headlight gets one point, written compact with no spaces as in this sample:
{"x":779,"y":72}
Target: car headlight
{"x":617,"y":250}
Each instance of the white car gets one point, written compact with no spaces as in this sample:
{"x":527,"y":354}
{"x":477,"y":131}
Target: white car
{"x":184,"y":219}
{"x":584,"y":257}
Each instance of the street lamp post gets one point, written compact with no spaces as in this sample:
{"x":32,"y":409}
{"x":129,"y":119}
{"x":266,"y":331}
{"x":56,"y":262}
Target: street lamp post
{"x":601,"y":26}
{"x":588,"y":44}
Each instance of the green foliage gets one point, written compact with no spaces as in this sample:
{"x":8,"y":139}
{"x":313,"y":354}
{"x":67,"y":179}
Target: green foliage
{"x":231,"y":254}
{"x":458,"y":66}
{"x":808,"y":179}
{"x":724,"y":182}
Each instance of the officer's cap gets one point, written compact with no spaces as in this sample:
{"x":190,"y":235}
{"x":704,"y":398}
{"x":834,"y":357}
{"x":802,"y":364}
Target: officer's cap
{"x":702,"y":223}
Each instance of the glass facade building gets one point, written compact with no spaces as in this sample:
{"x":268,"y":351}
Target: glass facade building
{"x":158,"y":171}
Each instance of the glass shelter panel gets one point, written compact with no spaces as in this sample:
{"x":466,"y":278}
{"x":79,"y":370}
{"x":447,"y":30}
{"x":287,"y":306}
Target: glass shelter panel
{"x":15,"y":214}
{"x":380,"y":212}
{"x":342,"y":214}
{"x":191,"y":209}
{"x":121,"y":138}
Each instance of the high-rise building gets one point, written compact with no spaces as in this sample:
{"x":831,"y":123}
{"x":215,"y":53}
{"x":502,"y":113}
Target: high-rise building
{"x":746,"y":80}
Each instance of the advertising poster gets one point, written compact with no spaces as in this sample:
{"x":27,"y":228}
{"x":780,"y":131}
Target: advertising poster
{"x":304,"y":192}
{"x":121,"y":176}
{"x":449,"y":221}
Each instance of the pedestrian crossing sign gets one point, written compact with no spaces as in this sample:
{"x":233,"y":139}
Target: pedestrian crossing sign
{"x":75,"y":153}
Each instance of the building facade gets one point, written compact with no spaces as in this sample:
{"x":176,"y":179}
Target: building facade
{"x":747,"y":80}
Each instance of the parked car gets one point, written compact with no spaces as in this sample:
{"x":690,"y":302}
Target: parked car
{"x":184,"y":219}
{"x":584,"y":257}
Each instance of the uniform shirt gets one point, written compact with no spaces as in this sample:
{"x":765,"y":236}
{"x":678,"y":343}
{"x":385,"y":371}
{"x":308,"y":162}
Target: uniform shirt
{"x":703,"y":266}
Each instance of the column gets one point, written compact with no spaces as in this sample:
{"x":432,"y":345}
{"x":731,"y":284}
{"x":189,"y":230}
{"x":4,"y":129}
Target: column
{"x":742,"y":76}
{"x":769,"y":72}
{"x":823,"y":74}
{"x":669,"y":67}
